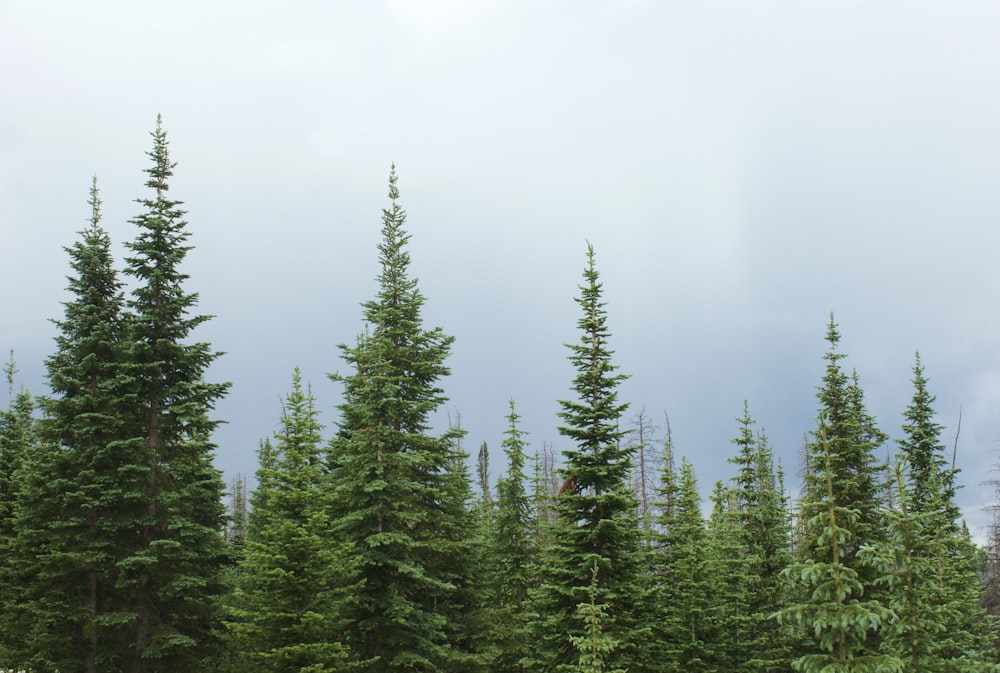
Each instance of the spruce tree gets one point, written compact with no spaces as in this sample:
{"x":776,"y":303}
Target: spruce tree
{"x":596,"y":522}
{"x":763,"y":522}
{"x":848,"y":452}
{"x":512,"y":557}
{"x":17,"y":447}
{"x":75,"y":518}
{"x":689,"y":591}
{"x":396,"y":501}
{"x":290,"y":586}
{"x":832,"y":612}
{"x":928,"y":567}
{"x":173,"y":577}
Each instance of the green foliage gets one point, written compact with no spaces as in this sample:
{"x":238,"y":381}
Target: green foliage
{"x":511,"y":563}
{"x":762,"y":524}
{"x":396,"y":501}
{"x":173,"y":576}
{"x":594,"y":646}
{"x":689,"y":582}
{"x":596,"y":522}
{"x":833,"y":613}
{"x":286,"y":606}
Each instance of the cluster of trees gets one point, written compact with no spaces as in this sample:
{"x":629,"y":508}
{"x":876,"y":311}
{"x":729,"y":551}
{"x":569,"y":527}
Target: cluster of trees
{"x":370,"y":551}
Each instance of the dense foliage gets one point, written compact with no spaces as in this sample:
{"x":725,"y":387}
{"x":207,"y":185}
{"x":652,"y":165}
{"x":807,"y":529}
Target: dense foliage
{"x":369,"y":550}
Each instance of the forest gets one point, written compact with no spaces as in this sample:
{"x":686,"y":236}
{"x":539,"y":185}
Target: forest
{"x":386,"y":547}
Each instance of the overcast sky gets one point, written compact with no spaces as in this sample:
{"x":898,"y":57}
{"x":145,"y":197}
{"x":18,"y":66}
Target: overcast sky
{"x":742,"y":168}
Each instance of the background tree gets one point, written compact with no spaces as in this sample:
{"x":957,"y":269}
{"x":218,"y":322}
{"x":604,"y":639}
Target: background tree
{"x":596,"y":508}
{"x":763,"y":524}
{"x":173,"y":576}
{"x":512,"y":557}
{"x":395,"y":501}
{"x":17,"y":446}
{"x":289,"y":591}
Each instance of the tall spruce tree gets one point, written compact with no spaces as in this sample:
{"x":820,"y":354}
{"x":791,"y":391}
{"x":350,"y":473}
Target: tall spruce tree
{"x":596,"y":510}
{"x":75,"y":518}
{"x":173,"y":577}
{"x":286,"y":616}
{"x":396,"y":501}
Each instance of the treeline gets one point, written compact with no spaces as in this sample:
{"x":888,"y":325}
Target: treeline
{"x":370,"y":550}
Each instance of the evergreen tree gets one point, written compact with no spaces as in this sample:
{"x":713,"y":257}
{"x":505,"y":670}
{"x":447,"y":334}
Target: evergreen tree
{"x":289,"y":588}
{"x":396,"y":500}
{"x":74,"y":518}
{"x":934,"y":601}
{"x":762,"y":520}
{"x":596,"y":521}
{"x":17,"y":446}
{"x":689,"y":590}
{"x":726,"y":579}
{"x":833,"y":613}
{"x":173,"y":577}
{"x":851,"y":439}
{"x":512,"y":556}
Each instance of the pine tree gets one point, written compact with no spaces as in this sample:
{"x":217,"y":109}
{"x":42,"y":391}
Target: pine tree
{"x":512,"y":556}
{"x":763,"y":523}
{"x":851,"y":439}
{"x":596,"y":521}
{"x":17,"y":447}
{"x":75,"y":518}
{"x":928,"y":566}
{"x":833,"y":612}
{"x":688,"y":590}
{"x":290,"y":589}
{"x":396,"y":500}
{"x":934,"y":601}
{"x":173,"y":577}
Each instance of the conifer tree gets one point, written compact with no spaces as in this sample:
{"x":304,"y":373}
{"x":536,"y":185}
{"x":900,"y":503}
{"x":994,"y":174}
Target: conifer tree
{"x":762,"y":520}
{"x":596,"y":522}
{"x":933,"y":594}
{"x":173,"y":577}
{"x":512,"y":556}
{"x":851,"y":439}
{"x":688,"y":590}
{"x":833,"y":612}
{"x":75,"y":518}
{"x":396,"y":500}
{"x":289,"y":588}
{"x":17,"y":446}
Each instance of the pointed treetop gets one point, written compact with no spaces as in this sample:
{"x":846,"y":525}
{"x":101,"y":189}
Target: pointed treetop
{"x":95,"y":204}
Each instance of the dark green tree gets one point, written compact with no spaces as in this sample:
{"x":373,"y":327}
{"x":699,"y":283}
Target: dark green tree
{"x":17,"y":446}
{"x":75,"y":518}
{"x":290,"y":584}
{"x":396,"y":501}
{"x":596,"y":510}
{"x":173,"y":577}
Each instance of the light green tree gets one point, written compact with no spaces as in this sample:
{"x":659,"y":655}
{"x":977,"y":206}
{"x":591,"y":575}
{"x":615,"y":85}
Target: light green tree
{"x":291,"y":580}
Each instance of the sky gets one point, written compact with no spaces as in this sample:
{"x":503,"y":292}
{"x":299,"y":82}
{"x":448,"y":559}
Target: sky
{"x":742,"y":169}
